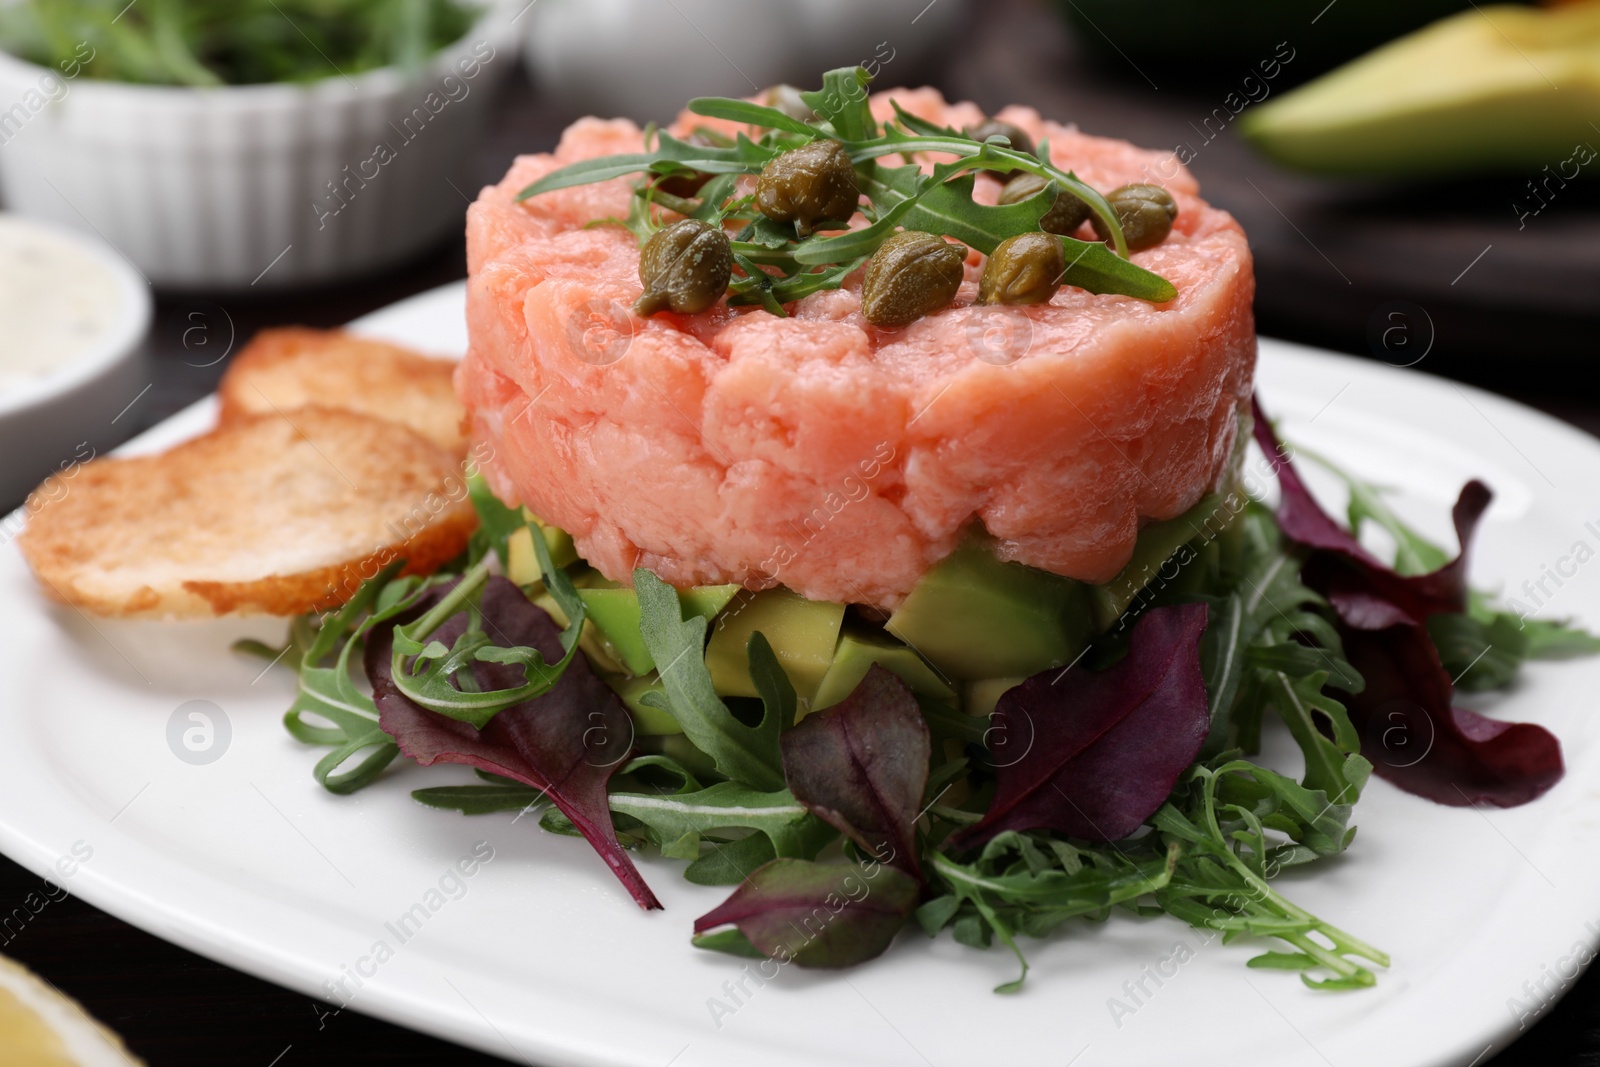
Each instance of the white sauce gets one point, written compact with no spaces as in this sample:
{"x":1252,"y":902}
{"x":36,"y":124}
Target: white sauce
{"x":57,"y":302}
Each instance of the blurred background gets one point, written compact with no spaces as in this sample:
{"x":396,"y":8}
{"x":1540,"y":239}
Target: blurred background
{"x":1415,"y":177}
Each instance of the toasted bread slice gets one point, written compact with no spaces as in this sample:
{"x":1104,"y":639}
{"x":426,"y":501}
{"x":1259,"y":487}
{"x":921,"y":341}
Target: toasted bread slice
{"x":268,"y":514}
{"x":296,"y":367}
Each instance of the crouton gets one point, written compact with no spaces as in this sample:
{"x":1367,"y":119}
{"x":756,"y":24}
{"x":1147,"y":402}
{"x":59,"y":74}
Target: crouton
{"x":268,"y":514}
{"x":295,"y":367}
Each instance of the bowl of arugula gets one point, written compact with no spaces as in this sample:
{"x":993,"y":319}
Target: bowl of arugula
{"x":227,"y":144}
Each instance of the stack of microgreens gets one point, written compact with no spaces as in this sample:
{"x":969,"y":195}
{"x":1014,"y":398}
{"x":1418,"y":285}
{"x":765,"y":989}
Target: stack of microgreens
{"x":1119,"y":784}
{"x":779,"y":262}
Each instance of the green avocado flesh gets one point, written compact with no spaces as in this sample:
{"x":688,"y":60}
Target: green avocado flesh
{"x":522,"y":566}
{"x":803,"y":634}
{"x":1155,"y":554}
{"x":983,"y":694}
{"x":1498,"y":87}
{"x":973,"y":616}
{"x":616,"y":613}
{"x":856,"y":654}
{"x":971,"y":629}
{"x":646,"y":719}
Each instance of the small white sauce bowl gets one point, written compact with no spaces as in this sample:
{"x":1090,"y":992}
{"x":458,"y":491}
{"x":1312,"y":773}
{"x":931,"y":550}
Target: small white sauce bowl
{"x":53,"y":423}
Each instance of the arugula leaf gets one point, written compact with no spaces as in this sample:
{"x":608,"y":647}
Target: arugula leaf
{"x":778,"y":697}
{"x":1221,"y":882}
{"x":947,"y":208}
{"x":587,"y":171}
{"x":1305,"y":709}
{"x":842,"y":103}
{"x":496,"y":521}
{"x":329,"y":691}
{"x":1270,"y":647}
{"x":747,"y":754}
{"x":1551,"y":639}
{"x":1093,"y":267}
{"x":479,"y":799}
{"x":1016,"y":886}
{"x":721,"y":107}
{"x":731,"y":862}
{"x":817,"y":251}
{"x":435,"y":676}
{"x":784,"y":821}
{"x":1479,"y":655}
{"x":923,"y":126}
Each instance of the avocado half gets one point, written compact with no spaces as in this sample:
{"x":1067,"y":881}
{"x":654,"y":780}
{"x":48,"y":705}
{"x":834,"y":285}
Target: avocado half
{"x":1492,"y":89}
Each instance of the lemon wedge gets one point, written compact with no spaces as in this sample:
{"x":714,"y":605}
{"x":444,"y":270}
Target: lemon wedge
{"x":41,"y":1028}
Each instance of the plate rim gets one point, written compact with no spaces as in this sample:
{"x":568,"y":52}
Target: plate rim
{"x":402,"y":1005}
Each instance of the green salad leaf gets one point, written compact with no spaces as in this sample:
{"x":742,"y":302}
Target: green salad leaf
{"x":747,"y":754}
{"x":230,"y":42}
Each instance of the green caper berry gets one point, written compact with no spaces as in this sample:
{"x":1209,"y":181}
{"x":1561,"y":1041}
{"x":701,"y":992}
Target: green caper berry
{"x":1064,"y":216}
{"x":685,"y":267}
{"x":1020,"y":141}
{"x":910,"y":275}
{"x":1145,"y":213}
{"x":807,"y":185}
{"x":787,"y":99}
{"x":1025,"y":269}
{"x":689,"y":183}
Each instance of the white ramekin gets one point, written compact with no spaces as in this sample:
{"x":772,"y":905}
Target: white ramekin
{"x":256,"y":185}
{"x":51,"y":426}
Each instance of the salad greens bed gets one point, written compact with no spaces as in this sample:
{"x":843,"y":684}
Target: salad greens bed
{"x":1123,"y":781}
{"x":229,"y":42}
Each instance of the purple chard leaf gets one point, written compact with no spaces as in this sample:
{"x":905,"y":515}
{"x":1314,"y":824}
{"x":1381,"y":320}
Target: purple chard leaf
{"x":1410,"y":731}
{"x":1093,"y":754}
{"x":567,"y":742}
{"x":862,"y":766}
{"x":817,"y":915}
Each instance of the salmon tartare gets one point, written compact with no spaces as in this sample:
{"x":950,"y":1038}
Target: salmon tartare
{"x":822,"y":452}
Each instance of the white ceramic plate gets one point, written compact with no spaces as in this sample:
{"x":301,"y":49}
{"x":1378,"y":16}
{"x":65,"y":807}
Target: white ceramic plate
{"x":541,"y":957}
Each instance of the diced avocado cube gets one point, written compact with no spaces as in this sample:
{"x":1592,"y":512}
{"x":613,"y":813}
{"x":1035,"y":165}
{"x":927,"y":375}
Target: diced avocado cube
{"x":522,"y":565}
{"x":803,"y":634}
{"x":1158,"y":543}
{"x":647,"y":720}
{"x":591,"y":642}
{"x":692,"y":759}
{"x":983,"y":694}
{"x":973,"y":616}
{"x":856,"y":654}
{"x":616,"y":613}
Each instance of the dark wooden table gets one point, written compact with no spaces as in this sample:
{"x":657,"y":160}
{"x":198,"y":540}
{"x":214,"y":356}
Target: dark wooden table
{"x":1328,"y":259}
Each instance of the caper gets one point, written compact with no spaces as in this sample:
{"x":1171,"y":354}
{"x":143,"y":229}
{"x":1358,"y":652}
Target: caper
{"x":1025,"y":269}
{"x":689,"y":183}
{"x":910,"y":275}
{"x":1020,"y":141}
{"x":1145,"y":213}
{"x":685,"y":267}
{"x":1064,"y":216}
{"x":807,"y":185}
{"x":787,"y":99}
